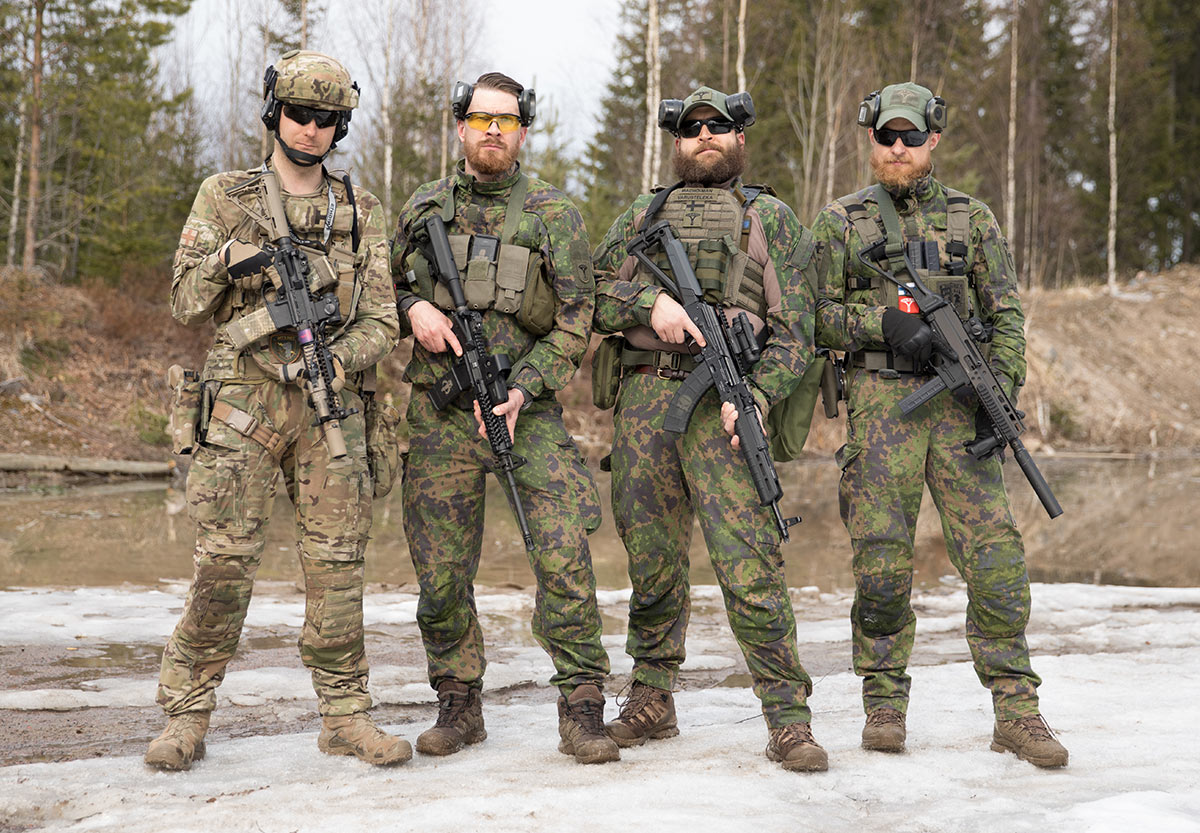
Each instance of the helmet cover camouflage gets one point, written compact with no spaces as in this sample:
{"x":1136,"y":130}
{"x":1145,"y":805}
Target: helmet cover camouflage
{"x":314,"y":80}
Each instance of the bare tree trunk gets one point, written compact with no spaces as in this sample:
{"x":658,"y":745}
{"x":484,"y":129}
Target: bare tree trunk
{"x":725,"y":44}
{"x":833,"y":117}
{"x":10,"y":250}
{"x":304,"y":24}
{"x":653,"y":71}
{"x":264,"y":145}
{"x":35,"y":137}
{"x":389,"y":128}
{"x":1010,"y":182}
{"x":1112,"y":153}
{"x":741,"y":53}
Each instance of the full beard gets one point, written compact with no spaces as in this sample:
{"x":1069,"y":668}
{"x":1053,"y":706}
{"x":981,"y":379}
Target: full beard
{"x":491,"y":160}
{"x":695,"y":171}
{"x":898,"y":180}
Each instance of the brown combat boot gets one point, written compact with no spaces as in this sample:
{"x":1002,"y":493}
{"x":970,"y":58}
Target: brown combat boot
{"x":795,"y":747}
{"x":648,"y":713}
{"x":1032,"y":739}
{"x":885,"y":730}
{"x":581,"y":727}
{"x":180,"y":743}
{"x":459,"y":720}
{"x":355,"y":734}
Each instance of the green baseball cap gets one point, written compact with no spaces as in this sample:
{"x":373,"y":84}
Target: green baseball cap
{"x":705,"y":97}
{"x":904,"y":101}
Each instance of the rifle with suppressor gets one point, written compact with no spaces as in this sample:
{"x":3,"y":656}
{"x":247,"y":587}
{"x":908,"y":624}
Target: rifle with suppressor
{"x":730,"y":350}
{"x":483,"y":374}
{"x":295,"y":308}
{"x":957,"y":362}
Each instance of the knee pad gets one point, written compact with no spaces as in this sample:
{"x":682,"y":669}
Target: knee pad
{"x":881,"y":606}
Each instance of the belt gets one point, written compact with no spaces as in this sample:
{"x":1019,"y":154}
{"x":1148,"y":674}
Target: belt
{"x":248,"y":426}
{"x":883,"y":360}
{"x":666,"y":364}
{"x":661,"y":372}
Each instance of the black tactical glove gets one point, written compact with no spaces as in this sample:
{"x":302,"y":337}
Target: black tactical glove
{"x":986,"y":444}
{"x":908,"y":335}
{"x":242,"y":259}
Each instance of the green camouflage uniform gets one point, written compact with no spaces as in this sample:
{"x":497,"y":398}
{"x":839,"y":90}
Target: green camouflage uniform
{"x":661,"y":480}
{"x":233,"y":478}
{"x":443,"y":491}
{"x":889,"y":457}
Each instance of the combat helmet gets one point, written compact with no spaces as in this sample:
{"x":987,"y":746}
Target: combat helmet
{"x":309,"y":79}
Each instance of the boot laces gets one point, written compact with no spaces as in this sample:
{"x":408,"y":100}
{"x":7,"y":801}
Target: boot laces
{"x":451,"y":706}
{"x":794,"y":734}
{"x":589,"y":715}
{"x":1036,"y":727}
{"x":880,"y":717}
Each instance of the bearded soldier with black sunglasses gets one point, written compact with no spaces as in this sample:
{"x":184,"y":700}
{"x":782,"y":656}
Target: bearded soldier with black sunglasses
{"x":954,"y":243}
{"x":253,"y":414}
{"x":751,"y":256}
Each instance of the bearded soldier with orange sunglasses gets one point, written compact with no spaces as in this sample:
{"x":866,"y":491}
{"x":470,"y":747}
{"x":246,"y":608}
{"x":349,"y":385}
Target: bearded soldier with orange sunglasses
{"x":521,"y":251}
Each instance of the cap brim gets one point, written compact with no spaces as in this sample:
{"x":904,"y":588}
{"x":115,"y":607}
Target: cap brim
{"x":901,"y":113}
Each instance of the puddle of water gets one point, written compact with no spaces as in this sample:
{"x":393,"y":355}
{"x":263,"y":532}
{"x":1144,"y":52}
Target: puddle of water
{"x":1129,"y":522}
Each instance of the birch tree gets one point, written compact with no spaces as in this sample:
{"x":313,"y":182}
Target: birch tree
{"x":1112,"y":152}
{"x":651,"y":147}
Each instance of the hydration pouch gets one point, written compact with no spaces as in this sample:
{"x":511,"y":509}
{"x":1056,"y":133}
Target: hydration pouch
{"x":606,"y":372}
{"x":538,"y":304}
{"x":185,"y":408}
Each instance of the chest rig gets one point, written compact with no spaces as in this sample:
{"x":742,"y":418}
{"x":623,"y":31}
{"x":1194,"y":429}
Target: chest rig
{"x":947,"y":277}
{"x":714,"y":226}
{"x":333,"y":267}
{"x":506,"y":273}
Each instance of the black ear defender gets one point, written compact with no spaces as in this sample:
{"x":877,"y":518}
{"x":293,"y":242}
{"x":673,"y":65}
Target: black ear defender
{"x":271,"y":105}
{"x":669,"y":111}
{"x":741,"y":109}
{"x":460,"y":100}
{"x":935,"y":114}
{"x":868,"y":110}
{"x":343,"y":122}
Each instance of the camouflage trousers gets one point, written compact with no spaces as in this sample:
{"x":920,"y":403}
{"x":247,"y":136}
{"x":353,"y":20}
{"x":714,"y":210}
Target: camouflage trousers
{"x":230,"y":492}
{"x":660,"y":481}
{"x":887,"y":461}
{"x":443,"y":497}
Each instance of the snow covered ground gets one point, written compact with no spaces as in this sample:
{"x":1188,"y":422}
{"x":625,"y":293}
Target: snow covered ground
{"x":1121,"y":667}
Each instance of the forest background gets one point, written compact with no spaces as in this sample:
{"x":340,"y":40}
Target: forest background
{"x":1073,"y":119}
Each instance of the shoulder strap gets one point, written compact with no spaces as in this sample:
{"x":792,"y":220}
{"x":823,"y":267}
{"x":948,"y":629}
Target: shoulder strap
{"x":515,"y":208}
{"x":355,"y":235}
{"x":894,"y":250}
{"x":749,"y":194}
{"x":958,"y":231}
{"x":657,"y":203}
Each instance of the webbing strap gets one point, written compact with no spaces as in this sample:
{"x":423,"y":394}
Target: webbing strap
{"x":958,"y":230}
{"x":894,"y":250}
{"x":515,"y":208}
{"x":248,"y":426}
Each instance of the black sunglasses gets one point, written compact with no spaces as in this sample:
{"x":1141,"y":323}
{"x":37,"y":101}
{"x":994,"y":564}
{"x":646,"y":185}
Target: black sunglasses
{"x":691,"y":129}
{"x":303,"y":115}
{"x":911,"y":138}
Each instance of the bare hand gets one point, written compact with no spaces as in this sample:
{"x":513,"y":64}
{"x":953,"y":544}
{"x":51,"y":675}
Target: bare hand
{"x":729,"y":417}
{"x":671,"y":323}
{"x":432,"y":328}
{"x":509,"y":410}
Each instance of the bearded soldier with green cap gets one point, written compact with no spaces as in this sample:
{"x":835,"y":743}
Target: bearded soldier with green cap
{"x":250,"y":411}
{"x":955,"y":244}
{"x":751,"y":256}
{"x":521,"y":249}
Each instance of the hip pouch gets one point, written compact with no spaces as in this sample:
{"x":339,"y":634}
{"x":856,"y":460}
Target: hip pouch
{"x":606,"y":372}
{"x":185,"y":408}
{"x":384,"y":454}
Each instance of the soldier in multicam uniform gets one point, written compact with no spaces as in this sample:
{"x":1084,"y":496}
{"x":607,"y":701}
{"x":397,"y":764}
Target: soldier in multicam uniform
{"x":888,"y":457}
{"x":750,"y":253}
{"x":533,"y":286}
{"x":261,"y":420}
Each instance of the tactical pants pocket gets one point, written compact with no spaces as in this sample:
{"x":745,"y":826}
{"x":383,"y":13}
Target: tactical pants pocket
{"x":185,"y":408}
{"x":384,"y":453}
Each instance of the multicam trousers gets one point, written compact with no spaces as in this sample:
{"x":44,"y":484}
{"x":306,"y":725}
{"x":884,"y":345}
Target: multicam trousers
{"x":659,"y":482}
{"x":443,"y":496}
{"x":887,"y":461}
{"x":230,"y":492}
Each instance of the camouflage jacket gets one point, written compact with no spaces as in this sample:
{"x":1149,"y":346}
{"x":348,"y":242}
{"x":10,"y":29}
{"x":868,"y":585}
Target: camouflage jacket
{"x":624,"y":297}
{"x":851,"y":324}
{"x":552,"y":226}
{"x":201,"y":287}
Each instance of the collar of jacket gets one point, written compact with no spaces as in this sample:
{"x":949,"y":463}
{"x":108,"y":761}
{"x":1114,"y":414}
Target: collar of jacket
{"x":907,"y":199}
{"x":492,"y":187}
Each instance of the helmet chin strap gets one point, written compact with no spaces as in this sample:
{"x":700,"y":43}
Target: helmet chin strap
{"x":299,"y":157}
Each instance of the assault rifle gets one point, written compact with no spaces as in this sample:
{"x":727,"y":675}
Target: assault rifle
{"x":295,"y":308}
{"x":958,"y":363}
{"x":729,"y":352}
{"x":483,"y":374}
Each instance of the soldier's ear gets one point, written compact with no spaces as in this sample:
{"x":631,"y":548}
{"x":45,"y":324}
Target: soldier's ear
{"x":934,"y":138}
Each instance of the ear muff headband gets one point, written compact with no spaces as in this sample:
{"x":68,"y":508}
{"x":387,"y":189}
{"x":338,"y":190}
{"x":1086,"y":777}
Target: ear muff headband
{"x":935,"y":112}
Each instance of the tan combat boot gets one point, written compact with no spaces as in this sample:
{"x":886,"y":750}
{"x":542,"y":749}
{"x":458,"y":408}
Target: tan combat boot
{"x":885,"y":730}
{"x":459,"y":720}
{"x":180,"y":743}
{"x":581,"y":727}
{"x":649,"y":713}
{"x":795,"y":747}
{"x":1032,"y":739}
{"x":355,"y":734}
